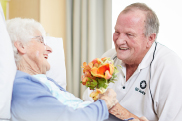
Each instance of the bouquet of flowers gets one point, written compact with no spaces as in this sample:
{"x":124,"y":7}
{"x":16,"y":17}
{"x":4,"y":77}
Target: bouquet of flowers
{"x":98,"y":74}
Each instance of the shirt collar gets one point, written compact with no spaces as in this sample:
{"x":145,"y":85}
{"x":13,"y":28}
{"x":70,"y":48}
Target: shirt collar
{"x":147,"y":58}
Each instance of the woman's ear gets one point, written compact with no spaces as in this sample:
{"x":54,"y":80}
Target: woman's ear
{"x":20,"y":47}
{"x":151,"y":39}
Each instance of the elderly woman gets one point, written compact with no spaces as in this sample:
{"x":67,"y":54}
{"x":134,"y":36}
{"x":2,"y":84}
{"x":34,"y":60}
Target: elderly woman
{"x":39,"y":98}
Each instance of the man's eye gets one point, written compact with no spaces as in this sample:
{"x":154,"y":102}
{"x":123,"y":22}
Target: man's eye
{"x":117,"y":33}
{"x":129,"y":34}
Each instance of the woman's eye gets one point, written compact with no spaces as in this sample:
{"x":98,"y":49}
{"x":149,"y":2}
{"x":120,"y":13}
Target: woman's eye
{"x":41,"y":41}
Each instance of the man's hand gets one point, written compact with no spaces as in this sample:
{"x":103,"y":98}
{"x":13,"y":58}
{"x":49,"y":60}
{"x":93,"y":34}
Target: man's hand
{"x":109,"y":97}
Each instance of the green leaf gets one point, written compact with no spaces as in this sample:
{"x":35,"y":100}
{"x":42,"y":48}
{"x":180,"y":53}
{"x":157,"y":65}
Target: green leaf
{"x":93,"y":83}
{"x":114,"y":76}
{"x":112,"y":81}
{"x":105,"y":86}
{"x":115,"y":70}
{"x":89,"y":78}
{"x":91,"y":88}
{"x":87,"y":83}
{"x":102,"y":83}
{"x":119,"y":66}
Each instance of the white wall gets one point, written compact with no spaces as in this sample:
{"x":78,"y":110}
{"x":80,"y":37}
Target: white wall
{"x":170,"y":18}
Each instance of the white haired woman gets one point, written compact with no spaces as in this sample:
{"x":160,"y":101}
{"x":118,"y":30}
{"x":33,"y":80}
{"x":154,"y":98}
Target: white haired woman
{"x":39,"y":98}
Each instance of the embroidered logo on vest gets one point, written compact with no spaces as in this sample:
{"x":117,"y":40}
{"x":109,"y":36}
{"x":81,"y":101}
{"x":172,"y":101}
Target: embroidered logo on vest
{"x":143,"y":84}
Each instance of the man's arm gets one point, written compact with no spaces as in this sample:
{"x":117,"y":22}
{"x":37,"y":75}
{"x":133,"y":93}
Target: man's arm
{"x":167,"y":94}
{"x":121,"y":113}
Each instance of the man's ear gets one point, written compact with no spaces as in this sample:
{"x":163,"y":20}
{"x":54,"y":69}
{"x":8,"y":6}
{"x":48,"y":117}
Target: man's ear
{"x":151,"y":39}
{"x":20,"y":47}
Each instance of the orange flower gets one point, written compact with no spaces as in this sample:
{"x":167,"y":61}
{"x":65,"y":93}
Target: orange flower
{"x":96,"y":61}
{"x":91,"y":65}
{"x":104,"y":71}
{"x":84,"y":80}
{"x":98,"y":74}
{"x":104,"y":58}
{"x":95,"y":94}
{"x":86,"y":68}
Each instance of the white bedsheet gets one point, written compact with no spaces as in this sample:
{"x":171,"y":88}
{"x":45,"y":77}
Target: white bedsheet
{"x":7,"y":70}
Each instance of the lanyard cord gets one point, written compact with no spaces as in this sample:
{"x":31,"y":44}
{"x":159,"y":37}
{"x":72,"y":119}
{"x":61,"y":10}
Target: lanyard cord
{"x":150,"y":78}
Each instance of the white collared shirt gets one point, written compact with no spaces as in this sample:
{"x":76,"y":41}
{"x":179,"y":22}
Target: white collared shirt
{"x":165,"y":85}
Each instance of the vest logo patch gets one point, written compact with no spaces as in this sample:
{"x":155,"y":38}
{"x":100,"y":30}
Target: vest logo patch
{"x":139,"y":90}
{"x":143,"y":84}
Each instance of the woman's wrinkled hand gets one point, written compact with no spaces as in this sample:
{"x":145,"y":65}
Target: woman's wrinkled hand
{"x":109,"y":97}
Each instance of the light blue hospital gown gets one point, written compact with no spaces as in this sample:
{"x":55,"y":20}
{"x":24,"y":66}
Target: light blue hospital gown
{"x":64,"y":97}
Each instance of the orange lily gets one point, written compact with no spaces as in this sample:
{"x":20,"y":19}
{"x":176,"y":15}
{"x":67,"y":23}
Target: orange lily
{"x":104,"y":71}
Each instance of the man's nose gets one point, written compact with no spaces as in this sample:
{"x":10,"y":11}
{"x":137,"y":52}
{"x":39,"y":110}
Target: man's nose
{"x":49,"y":49}
{"x":121,"y":39}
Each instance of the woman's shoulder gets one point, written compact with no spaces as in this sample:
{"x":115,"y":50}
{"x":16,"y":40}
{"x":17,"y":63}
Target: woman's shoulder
{"x":26,"y":81}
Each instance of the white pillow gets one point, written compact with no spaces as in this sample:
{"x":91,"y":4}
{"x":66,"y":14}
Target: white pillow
{"x":57,"y":61}
{"x":7,"y":69}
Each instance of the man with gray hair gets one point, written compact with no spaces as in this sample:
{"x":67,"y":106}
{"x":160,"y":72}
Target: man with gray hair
{"x":149,"y":82}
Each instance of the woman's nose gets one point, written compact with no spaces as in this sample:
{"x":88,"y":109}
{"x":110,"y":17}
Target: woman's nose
{"x":49,"y":49}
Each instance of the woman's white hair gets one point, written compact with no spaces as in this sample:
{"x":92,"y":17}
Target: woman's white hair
{"x":22,"y":30}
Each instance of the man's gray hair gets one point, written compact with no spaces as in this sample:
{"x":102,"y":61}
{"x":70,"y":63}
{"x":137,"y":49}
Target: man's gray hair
{"x":22,"y":30}
{"x":152,"y":22}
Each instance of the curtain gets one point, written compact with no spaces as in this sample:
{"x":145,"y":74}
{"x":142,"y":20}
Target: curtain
{"x":88,"y":36}
{"x":5,"y":5}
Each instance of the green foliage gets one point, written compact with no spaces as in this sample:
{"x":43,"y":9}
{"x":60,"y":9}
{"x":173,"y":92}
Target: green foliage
{"x":102,"y":83}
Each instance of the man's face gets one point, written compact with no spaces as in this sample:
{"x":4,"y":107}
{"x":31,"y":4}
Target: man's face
{"x":37,"y":55}
{"x":129,"y":39}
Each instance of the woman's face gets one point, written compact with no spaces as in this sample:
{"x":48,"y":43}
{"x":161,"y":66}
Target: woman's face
{"x":37,"y":55}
